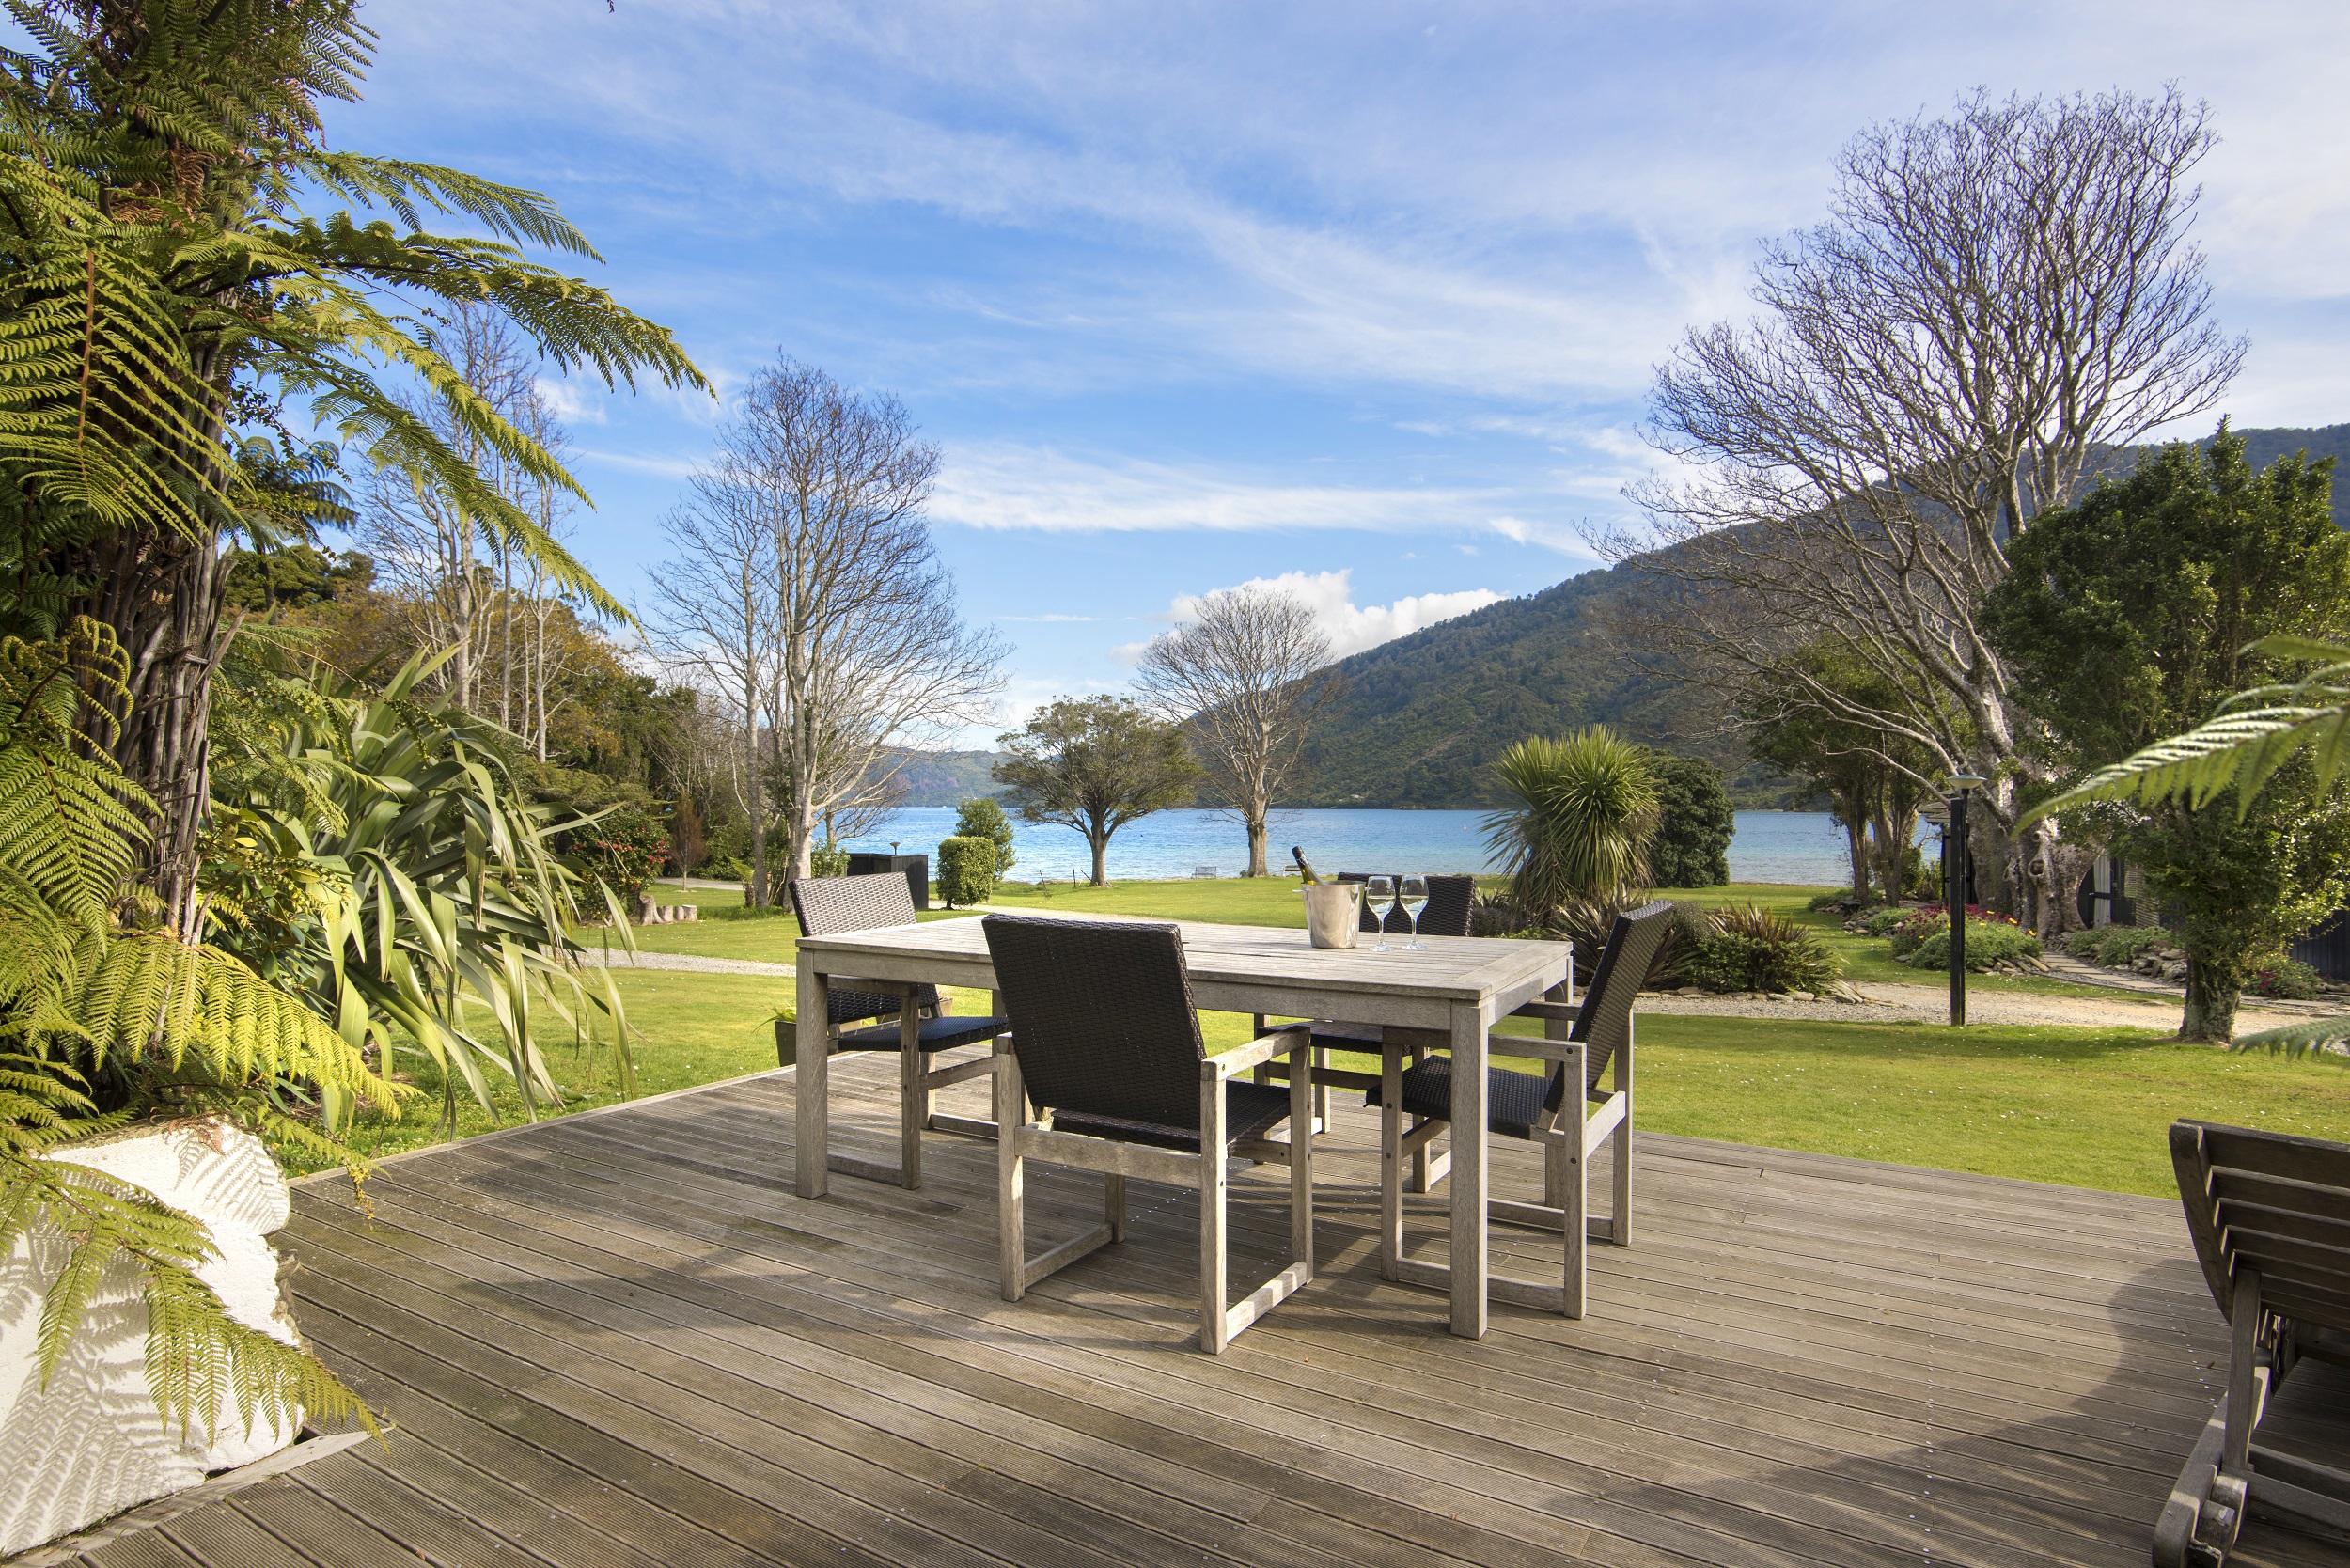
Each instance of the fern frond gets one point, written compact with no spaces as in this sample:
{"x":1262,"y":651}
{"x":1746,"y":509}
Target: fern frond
{"x":2320,"y":1037}
{"x":2255,"y":733}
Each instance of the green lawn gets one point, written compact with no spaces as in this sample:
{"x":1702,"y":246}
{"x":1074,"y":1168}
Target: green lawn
{"x":767,"y":938}
{"x":1273,"y":901}
{"x":2082,"y":1106}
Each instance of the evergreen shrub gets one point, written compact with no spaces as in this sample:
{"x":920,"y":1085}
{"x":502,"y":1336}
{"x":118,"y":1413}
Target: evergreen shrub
{"x":967,"y":870}
{"x":2115,"y":947}
{"x":1989,"y":940}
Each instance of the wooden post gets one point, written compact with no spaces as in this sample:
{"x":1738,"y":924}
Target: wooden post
{"x":914,"y":1100}
{"x":812,"y":1072}
{"x":1471,"y":1137}
{"x":1214,"y":1328}
{"x":1011,"y":1174}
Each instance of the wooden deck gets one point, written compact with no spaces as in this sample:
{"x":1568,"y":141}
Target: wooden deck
{"x":620,"y":1339}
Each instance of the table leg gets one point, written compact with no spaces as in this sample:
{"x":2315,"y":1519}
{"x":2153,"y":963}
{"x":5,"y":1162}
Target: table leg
{"x":812,"y":1074}
{"x":1470,"y":1248}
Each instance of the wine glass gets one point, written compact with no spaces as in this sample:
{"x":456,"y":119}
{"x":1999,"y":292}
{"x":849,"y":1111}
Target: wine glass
{"x":1413,"y":895}
{"x":1379,"y":897}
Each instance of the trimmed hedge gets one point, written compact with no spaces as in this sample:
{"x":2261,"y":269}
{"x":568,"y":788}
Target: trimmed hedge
{"x":967,"y":870}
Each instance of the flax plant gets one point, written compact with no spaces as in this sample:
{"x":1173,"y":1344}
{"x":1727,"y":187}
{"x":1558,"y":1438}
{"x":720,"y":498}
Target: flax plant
{"x":372,"y":854}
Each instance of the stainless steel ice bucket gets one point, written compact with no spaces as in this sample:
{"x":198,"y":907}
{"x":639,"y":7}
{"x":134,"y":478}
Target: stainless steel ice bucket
{"x":1332,"y":911}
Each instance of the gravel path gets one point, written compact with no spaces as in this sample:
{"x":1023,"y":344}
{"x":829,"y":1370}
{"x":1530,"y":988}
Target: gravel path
{"x":623,"y":958}
{"x":1931,"y":1004}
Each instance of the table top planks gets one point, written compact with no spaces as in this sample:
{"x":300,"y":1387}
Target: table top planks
{"x":1447,"y":969}
{"x":620,"y":1338}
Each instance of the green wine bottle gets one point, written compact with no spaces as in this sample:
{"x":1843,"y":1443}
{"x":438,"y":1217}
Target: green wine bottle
{"x":1304,"y":871}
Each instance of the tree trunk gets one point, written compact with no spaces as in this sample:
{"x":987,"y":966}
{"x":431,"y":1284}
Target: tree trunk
{"x":750,"y":788}
{"x":1257,"y":862}
{"x":1101,"y":842}
{"x":1856,"y":839}
{"x":2210,"y":1002}
{"x":164,"y":597}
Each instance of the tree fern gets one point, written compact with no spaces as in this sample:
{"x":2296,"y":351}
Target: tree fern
{"x":2254,"y":733}
{"x":101,"y":1021}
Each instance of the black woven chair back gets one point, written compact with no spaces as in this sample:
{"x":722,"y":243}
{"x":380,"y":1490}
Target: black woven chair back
{"x":1448,"y":911}
{"x":2273,"y":1202}
{"x":1604,"y":1022}
{"x":838,"y":905}
{"x":1449,"y":898}
{"x":1100,"y":1016}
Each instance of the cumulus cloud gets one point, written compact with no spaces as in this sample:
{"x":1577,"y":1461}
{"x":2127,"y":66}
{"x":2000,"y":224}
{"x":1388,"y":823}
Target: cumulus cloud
{"x":1330,"y":595}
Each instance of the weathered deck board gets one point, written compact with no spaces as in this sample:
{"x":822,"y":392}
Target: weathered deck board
{"x":620,"y":1338}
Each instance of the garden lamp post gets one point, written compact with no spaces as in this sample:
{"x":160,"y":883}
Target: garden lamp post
{"x":1955,"y":882}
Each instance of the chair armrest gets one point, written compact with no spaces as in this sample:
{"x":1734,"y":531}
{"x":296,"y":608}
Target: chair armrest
{"x":1498,"y":1044}
{"x":1241,"y":1059}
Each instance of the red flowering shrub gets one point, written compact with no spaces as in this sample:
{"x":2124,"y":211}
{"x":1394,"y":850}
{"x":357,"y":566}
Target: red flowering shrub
{"x":627,"y":849}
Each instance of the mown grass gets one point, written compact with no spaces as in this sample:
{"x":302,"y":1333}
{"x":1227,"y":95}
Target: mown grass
{"x":2086,"y":1107}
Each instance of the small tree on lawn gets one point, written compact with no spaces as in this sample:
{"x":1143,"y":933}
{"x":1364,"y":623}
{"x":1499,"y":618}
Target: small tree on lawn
{"x":1808,"y":714}
{"x":1695,"y":823}
{"x":627,"y":848}
{"x":1246,"y":677}
{"x":1095,"y":764}
{"x":982,"y":817}
{"x":2128,"y":617}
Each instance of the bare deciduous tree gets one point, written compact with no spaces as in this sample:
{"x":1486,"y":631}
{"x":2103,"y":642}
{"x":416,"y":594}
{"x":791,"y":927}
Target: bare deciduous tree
{"x":484,"y":588}
{"x":806,"y":550}
{"x":717,"y":619}
{"x":1248,"y":678}
{"x":1998,"y":300}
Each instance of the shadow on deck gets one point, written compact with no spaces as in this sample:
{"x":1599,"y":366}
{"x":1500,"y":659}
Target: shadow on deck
{"x":620,"y":1339}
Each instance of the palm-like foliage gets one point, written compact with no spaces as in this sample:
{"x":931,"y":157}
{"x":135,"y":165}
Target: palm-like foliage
{"x":179,"y":256}
{"x":373,"y":857}
{"x":1584,"y":812}
{"x":159,"y":154}
{"x":2255,"y":733}
{"x":101,"y":1021}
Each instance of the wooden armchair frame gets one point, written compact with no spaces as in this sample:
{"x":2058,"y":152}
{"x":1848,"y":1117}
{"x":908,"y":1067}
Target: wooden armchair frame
{"x":1019,"y":1139}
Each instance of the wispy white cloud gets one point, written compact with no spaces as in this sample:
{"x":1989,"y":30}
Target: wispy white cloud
{"x":667,"y":467}
{"x":1007,"y":486}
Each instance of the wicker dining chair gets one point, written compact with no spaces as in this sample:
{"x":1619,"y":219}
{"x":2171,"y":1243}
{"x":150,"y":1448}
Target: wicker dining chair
{"x":1450,"y":900}
{"x":1104,"y":1043}
{"x":920,"y":1025}
{"x":1583,"y":1042}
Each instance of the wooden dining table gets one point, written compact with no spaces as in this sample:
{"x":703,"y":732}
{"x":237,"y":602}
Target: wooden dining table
{"x":1452,"y":986}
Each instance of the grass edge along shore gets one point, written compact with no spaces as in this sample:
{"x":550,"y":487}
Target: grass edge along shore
{"x":2081,"y":1106}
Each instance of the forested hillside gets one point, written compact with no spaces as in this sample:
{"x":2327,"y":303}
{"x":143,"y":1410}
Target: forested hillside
{"x":945,"y":777}
{"x":1422,"y":715}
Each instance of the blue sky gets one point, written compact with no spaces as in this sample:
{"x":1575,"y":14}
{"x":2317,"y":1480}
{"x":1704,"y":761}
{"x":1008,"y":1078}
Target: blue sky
{"x":1362,"y":296}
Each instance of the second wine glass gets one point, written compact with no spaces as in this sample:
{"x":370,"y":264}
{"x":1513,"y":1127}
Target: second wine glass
{"x":1413,"y":896}
{"x":1379,"y":897}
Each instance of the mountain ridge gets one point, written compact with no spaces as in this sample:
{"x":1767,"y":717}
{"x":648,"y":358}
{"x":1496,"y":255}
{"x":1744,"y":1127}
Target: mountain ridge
{"x":1420,"y":717}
